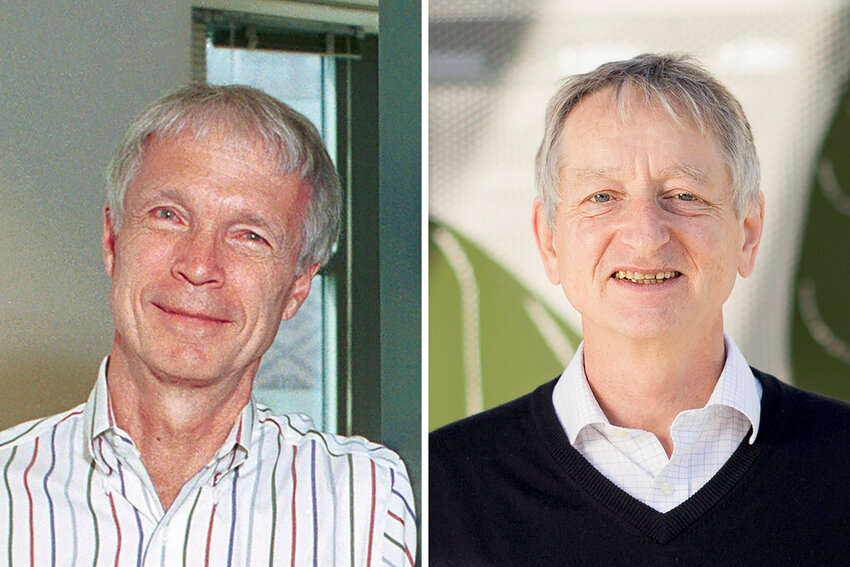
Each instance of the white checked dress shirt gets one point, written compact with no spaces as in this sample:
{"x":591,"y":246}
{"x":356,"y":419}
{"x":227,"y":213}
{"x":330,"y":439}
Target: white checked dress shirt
{"x":635,"y":460}
{"x":73,"y":491}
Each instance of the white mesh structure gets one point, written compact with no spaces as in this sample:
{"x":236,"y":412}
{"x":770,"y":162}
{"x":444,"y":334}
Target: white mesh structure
{"x":494,"y":65}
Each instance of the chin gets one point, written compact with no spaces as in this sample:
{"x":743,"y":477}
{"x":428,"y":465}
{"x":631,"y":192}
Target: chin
{"x":648,"y":327}
{"x":190,"y":367}
{"x":192,"y":375}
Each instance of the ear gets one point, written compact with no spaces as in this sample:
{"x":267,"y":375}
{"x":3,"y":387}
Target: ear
{"x":299,"y":291}
{"x":108,"y":242}
{"x":544,"y":235}
{"x":753,"y":225}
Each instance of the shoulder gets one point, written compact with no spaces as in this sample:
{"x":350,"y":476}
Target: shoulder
{"x":339,"y":459}
{"x":484,"y":470}
{"x":504,"y":423}
{"x":298,"y":431}
{"x":802,"y":418}
{"x":371,"y":475}
{"x":492,"y":444}
{"x":791,"y":398}
{"x":30,"y":433}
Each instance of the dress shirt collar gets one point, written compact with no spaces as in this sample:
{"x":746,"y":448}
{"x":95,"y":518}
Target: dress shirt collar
{"x":577,"y":408}
{"x":99,"y":422}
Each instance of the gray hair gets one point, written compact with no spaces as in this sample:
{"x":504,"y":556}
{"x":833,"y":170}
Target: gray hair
{"x":677,"y":84}
{"x":242,"y":113}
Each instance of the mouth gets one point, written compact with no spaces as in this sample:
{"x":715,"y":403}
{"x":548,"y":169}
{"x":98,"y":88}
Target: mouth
{"x":190,"y":315}
{"x":645,"y":279}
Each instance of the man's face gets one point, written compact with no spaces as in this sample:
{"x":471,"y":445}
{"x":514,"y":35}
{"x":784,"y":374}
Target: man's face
{"x":203,"y":268}
{"x":646,"y":243}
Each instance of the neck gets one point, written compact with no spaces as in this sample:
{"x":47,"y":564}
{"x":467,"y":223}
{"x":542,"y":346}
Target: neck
{"x":177,"y":427}
{"x":645,"y":384}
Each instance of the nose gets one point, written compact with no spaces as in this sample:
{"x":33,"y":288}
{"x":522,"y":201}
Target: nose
{"x":197,"y":259}
{"x":644,"y":227}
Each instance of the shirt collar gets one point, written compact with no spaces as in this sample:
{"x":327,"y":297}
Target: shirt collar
{"x":97,"y":416}
{"x":737,"y":387}
{"x":577,"y":408}
{"x":239,"y":438}
{"x":99,"y":420}
{"x":574,"y":402}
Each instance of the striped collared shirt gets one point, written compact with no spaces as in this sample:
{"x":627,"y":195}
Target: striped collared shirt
{"x":634,"y":460}
{"x":74,"y":492}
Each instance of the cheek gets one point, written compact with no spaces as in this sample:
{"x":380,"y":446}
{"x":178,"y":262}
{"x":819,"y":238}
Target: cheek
{"x":143,"y":262}
{"x":263,"y":290}
{"x":141,"y":248}
{"x":128,"y":284}
{"x":715,"y":250}
{"x":580,"y":250}
{"x":138,"y":260}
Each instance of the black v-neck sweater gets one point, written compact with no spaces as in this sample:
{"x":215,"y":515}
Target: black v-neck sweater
{"x":507,"y":488}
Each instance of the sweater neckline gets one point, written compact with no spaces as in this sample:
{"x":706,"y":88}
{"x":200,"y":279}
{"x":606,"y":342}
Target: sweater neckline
{"x":660,"y":526}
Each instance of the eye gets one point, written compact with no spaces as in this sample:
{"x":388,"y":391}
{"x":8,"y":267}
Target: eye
{"x":601,"y":198}
{"x":252,"y":236}
{"x":165,"y":213}
{"x":686,"y":197}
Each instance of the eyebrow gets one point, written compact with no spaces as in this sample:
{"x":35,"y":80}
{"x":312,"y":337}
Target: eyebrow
{"x":594,"y":173}
{"x":684,"y":170}
{"x":676,"y":171}
{"x":161,"y":192}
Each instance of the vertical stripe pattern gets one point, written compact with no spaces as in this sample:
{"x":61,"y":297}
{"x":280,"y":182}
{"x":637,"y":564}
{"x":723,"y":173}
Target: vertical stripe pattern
{"x":117,"y":531}
{"x":50,"y":499}
{"x":209,"y":537}
{"x":371,"y":518}
{"x":11,"y":502}
{"x":29,"y":501}
{"x":294,"y":516}
{"x":75,"y":491}
{"x":315,"y":503}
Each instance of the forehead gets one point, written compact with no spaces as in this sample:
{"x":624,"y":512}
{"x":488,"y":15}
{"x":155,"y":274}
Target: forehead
{"x":231,"y":141}
{"x":607,"y":127}
{"x":630,"y":105}
{"x":214,"y":154}
{"x":231,"y":170}
{"x":676,"y":104}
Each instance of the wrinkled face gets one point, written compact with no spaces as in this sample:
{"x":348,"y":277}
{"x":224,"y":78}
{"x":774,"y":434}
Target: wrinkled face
{"x":646,"y":243}
{"x":203,"y":268}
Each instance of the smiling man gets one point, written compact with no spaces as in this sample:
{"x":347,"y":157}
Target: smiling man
{"x":658,"y":444}
{"x":222,"y":205}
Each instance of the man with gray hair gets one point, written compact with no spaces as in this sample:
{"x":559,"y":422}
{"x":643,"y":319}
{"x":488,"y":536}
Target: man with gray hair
{"x":222,"y":205}
{"x":658,"y":444}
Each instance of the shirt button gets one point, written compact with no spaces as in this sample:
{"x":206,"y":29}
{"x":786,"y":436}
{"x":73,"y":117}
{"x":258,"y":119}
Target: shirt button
{"x":666,"y":488}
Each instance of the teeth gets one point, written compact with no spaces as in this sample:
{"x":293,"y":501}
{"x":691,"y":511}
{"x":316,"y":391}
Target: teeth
{"x":640,"y":278}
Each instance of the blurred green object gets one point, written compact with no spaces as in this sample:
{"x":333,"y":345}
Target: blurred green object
{"x":490,"y":339}
{"x":820,"y":343}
